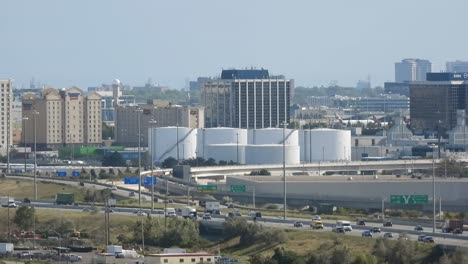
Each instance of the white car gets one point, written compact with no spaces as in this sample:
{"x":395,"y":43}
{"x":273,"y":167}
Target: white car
{"x":316,"y":217}
{"x":141,"y":213}
{"x":113,"y":188}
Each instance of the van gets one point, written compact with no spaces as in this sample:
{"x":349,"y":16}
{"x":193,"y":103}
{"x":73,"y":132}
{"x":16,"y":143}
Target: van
{"x":171,"y":212}
{"x":346,"y":225}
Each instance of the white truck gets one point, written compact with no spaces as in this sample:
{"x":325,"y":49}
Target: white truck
{"x":212,"y":207}
{"x":189,"y":212}
{"x":170,"y":212}
{"x":345,"y":225}
{"x":7,"y":201}
{"x":6,"y":248}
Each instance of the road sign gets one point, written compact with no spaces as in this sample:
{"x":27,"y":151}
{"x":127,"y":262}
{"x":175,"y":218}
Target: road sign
{"x":238,"y":188}
{"x":207,"y":188}
{"x":131,"y":180}
{"x":147,"y":180}
{"x":61,"y":173}
{"x":76,"y":174}
{"x":409,"y":199}
{"x":111,"y":202}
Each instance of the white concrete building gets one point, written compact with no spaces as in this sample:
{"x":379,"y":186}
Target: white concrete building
{"x":6,"y":135}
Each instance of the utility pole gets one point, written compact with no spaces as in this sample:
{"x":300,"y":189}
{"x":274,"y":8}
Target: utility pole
{"x":139,"y":111}
{"x":35,"y":113}
{"x":152,"y":122}
{"x":165,"y":205}
{"x":433,"y":195}
{"x":383,"y":209}
{"x":8,"y":217}
{"x":24,"y":142}
{"x":284,"y":168}
{"x":188,"y":195}
{"x":253,"y":196}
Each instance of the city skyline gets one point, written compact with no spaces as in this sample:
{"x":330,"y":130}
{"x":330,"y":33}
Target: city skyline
{"x":173,"y":42}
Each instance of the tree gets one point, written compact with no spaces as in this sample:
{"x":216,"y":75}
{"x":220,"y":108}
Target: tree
{"x":24,"y":217}
{"x":169,"y":163}
{"x":114,"y":160}
{"x":260,"y":172}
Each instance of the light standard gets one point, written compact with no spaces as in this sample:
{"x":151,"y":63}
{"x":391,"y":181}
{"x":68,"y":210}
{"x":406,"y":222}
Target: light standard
{"x":152,"y":122}
{"x":139,"y":111}
{"x":433,"y":192}
{"x":284,"y":167}
{"x":24,"y":142}
{"x":35,"y":113}
{"x":237,"y":147}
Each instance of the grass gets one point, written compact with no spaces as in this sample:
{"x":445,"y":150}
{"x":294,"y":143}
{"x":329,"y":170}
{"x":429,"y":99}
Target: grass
{"x":46,"y":191}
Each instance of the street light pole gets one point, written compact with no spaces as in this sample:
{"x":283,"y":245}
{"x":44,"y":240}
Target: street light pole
{"x":139,"y":111}
{"x":35,"y":113}
{"x":24,"y":142}
{"x":152,"y":122}
{"x":433,"y":195}
{"x":237,"y":147}
{"x":284,"y":168}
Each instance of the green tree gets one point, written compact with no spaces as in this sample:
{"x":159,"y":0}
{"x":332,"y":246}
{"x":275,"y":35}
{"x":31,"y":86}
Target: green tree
{"x":169,"y":163}
{"x":114,"y":160}
{"x":24,"y":217}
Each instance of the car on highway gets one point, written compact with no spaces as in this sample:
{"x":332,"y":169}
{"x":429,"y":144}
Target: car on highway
{"x":86,"y":210}
{"x":316,"y":224}
{"x":316,"y":217}
{"x":421,"y":238}
{"x":457,"y":231}
{"x":428,"y":239}
{"x":207,"y":216}
{"x":338,"y":230}
{"x":141,"y":213}
{"x":131,"y":194}
{"x":361,"y":222}
{"x":26,"y":201}
{"x":388,"y":224}
{"x":230,"y":206}
{"x":388,"y":235}
{"x":375,"y":230}
{"x":298,"y":224}
{"x":114,"y":188}
{"x":366,"y":233}
{"x":418,"y":228}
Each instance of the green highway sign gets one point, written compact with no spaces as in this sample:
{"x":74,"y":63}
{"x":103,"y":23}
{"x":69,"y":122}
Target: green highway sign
{"x":409,"y":199}
{"x":207,"y":188}
{"x":238,"y":188}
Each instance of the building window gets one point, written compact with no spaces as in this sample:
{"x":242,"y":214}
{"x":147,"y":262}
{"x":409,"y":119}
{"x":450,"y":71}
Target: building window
{"x":181,"y":260}
{"x":166,"y":261}
{"x":193,"y":260}
{"x":356,"y":142}
{"x":373,"y":142}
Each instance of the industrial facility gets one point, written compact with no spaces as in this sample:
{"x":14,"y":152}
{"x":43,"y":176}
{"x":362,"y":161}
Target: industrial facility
{"x":250,"y":146}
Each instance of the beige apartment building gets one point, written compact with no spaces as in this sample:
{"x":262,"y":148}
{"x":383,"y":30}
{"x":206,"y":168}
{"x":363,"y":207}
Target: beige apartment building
{"x":126,"y":121}
{"x":6,"y":135}
{"x":63,"y":117}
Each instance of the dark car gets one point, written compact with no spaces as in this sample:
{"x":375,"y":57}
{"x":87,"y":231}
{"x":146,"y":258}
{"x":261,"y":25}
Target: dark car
{"x":428,"y":239}
{"x":421,"y":238}
{"x":338,"y":230}
{"x":361,"y":222}
{"x":26,"y":200}
{"x":388,"y":224}
{"x":457,"y":231}
{"x":388,"y":235}
{"x":366,"y":234}
{"x":418,"y":228}
{"x":230,"y":206}
{"x":298,"y":224}
{"x":375,"y":230}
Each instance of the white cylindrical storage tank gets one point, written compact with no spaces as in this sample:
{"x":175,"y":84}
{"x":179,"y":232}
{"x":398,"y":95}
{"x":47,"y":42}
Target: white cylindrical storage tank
{"x":226,"y":152}
{"x":219,"y":135}
{"x":168,"y":142}
{"x":324,"y":144}
{"x":271,"y":154}
{"x":273,"y":136}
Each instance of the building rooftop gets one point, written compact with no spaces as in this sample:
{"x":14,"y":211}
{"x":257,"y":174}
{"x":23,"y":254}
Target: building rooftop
{"x":245,"y":74}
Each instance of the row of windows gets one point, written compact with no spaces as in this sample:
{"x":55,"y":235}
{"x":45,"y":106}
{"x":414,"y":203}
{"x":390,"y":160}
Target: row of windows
{"x":193,"y":260}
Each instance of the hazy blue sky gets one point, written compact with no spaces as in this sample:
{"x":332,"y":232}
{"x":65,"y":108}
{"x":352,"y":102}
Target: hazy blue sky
{"x":89,"y":42}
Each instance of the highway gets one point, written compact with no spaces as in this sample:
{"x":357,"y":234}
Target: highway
{"x":441,"y":238}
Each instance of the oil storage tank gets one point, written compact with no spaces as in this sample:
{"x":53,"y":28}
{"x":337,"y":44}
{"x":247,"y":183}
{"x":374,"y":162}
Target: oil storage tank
{"x":273,"y":136}
{"x":271,"y":154}
{"x":324,"y":144}
{"x":219,"y":135}
{"x":226,"y":152}
{"x":165,"y":142}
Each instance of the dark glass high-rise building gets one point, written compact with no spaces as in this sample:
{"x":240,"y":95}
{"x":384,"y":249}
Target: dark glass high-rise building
{"x":247,"y":99}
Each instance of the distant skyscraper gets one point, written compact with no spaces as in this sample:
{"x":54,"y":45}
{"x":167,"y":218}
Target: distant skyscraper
{"x":410,"y":70}
{"x":5,"y":113}
{"x":457,"y":66}
{"x":247,"y":99}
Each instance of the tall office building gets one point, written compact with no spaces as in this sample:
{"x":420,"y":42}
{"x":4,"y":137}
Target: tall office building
{"x":410,"y":70}
{"x":434,"y":103}
{"x":6,"y":134}
{"x":64,"y":117}
{"x":247,"y":99}
{"x":457,"y":66}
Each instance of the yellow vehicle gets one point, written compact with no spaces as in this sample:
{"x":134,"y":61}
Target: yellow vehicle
{"x":316,"y":224}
